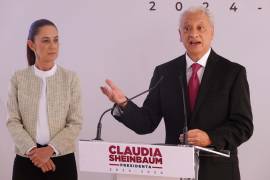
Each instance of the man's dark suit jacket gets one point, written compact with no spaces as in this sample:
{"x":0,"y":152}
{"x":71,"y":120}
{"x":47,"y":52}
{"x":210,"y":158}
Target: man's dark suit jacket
{"x":222,"y":110}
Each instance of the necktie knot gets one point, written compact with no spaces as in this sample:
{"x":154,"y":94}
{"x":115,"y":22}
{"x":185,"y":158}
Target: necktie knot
{"x":195,"y":67}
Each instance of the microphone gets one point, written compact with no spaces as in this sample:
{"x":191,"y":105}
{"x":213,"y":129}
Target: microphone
{"x":185,"y":129}
{"x":99,"y":126}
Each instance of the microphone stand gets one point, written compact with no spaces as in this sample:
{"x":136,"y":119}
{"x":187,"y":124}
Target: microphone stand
{"x":185,"y":129}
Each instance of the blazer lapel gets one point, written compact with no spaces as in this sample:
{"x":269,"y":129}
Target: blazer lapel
{"x":205,"y":83}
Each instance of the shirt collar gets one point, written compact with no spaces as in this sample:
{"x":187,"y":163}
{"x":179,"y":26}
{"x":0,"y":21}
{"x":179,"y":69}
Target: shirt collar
{"x":45,"y":74}
{"x":202,"y":61}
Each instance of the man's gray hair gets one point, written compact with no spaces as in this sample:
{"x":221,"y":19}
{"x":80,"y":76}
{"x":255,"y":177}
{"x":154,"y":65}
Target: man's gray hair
{"x":194,"y":9}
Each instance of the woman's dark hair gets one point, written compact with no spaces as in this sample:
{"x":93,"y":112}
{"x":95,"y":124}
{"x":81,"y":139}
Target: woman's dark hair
{"x":34,"y":29}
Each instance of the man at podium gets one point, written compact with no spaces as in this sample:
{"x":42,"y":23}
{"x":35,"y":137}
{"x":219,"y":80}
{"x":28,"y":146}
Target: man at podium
{"x":217,"y":97}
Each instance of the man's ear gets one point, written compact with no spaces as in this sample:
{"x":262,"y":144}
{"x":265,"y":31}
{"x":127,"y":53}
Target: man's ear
{"x":179,"y":31}
{"x":31,"y":45}
{"x":213,"y":33}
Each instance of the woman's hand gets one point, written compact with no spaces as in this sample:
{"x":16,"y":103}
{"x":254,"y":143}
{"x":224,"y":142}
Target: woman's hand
{"x":48,"y":166}
{"x":40,"y":156}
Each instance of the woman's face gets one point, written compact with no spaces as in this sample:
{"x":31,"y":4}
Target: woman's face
{"x":45,"y":44}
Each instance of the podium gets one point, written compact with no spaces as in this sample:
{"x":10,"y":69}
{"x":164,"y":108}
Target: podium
{"x":141,"y":161}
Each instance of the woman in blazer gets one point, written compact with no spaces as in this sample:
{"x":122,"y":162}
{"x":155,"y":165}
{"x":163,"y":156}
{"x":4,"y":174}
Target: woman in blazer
{"x":44,"y":108}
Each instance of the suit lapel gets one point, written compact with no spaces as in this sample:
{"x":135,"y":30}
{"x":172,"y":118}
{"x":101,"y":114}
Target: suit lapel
{"x":205,"y":83}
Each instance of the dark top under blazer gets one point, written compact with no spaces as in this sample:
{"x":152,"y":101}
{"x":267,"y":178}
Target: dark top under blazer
{"x":222,"y":109}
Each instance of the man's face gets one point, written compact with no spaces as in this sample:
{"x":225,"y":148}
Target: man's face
{"x":196,"y":33}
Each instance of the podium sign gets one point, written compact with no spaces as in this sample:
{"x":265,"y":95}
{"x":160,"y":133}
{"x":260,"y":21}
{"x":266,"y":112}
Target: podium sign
{"x":137,"y":159}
